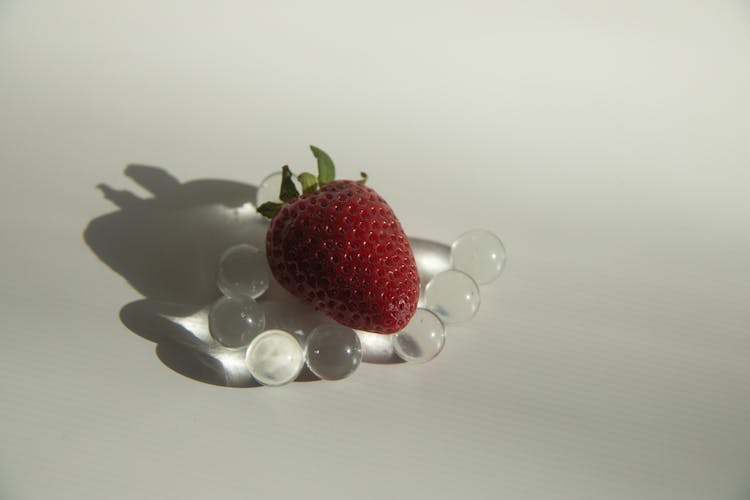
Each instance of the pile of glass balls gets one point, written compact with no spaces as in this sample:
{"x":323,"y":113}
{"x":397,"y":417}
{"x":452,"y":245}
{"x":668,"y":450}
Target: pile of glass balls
{"x":276,"y":356}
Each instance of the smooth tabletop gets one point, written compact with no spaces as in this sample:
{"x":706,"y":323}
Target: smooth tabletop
{"x":606,"y":143}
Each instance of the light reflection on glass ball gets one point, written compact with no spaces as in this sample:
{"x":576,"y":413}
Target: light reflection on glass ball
{"x":274,"y":358}
{"x":480,"y":254}
{"x":235,"y":321}
{"x":333,"y":351}
{"x":453,"y":296}
{"x":422,"y":339}
{"x":243,"y":270}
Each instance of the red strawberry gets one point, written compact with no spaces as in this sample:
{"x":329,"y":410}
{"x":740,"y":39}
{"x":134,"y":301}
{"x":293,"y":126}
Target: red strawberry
{"x":340,"y":248}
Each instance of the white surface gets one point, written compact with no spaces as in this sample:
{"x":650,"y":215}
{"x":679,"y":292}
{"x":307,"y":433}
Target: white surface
{"x":605,"y":142}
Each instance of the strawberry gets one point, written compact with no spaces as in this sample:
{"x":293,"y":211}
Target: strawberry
{"x":340,"y":248}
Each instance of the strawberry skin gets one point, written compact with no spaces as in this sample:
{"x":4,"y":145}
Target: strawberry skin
{"x":342,"y":250}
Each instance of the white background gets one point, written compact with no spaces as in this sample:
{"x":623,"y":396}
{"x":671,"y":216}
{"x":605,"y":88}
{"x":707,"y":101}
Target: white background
{"x":606,"y":142}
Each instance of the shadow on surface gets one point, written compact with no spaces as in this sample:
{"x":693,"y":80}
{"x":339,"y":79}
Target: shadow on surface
{"x":183,"y":343}
{"x":167,"y":246}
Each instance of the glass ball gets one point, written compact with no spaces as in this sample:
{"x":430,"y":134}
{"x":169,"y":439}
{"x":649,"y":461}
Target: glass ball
{"x":480,"y":254}
{"x":235,"y":321}
{"x":422,"y":339}
{"x":243,"y":270}
{"x":333,"y":351}
{"x":274,"y":358}
{"x":453,"y":296}
{"x":269,"y":188}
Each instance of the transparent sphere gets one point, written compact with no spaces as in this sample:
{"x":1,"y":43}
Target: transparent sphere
{"x":453,"y":296}
{"x":480,"y":254}
{"x":234,"y":321}
{"x":268,"y":189}
{"x":333,"y":351}
{"x":422,"y":339}
{"x":274,"y":358}
{"x":243,"y":270}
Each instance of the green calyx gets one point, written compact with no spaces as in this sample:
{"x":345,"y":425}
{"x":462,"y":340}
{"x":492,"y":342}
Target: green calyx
{"x":326,"y":168}
{"x":310,"y":183}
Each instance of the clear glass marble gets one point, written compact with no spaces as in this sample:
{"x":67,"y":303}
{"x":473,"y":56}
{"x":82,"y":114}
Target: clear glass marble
{"x":453,"y":296}
{"x":268,"y":189}
{"x":274,"y":358}
{"x":480,"y":254}
{"x":422,"y":339}
{"x":243,"y":270}
{"x":235,"y":321}
{"x":333,"y":351}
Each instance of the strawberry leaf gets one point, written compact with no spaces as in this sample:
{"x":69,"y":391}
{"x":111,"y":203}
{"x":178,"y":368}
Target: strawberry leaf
{"x":288,"y":189}
{"x":309,"y":183}
{"x":269,"y":209}
{"x":364,"y":178}
{"x":326,"y":169}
